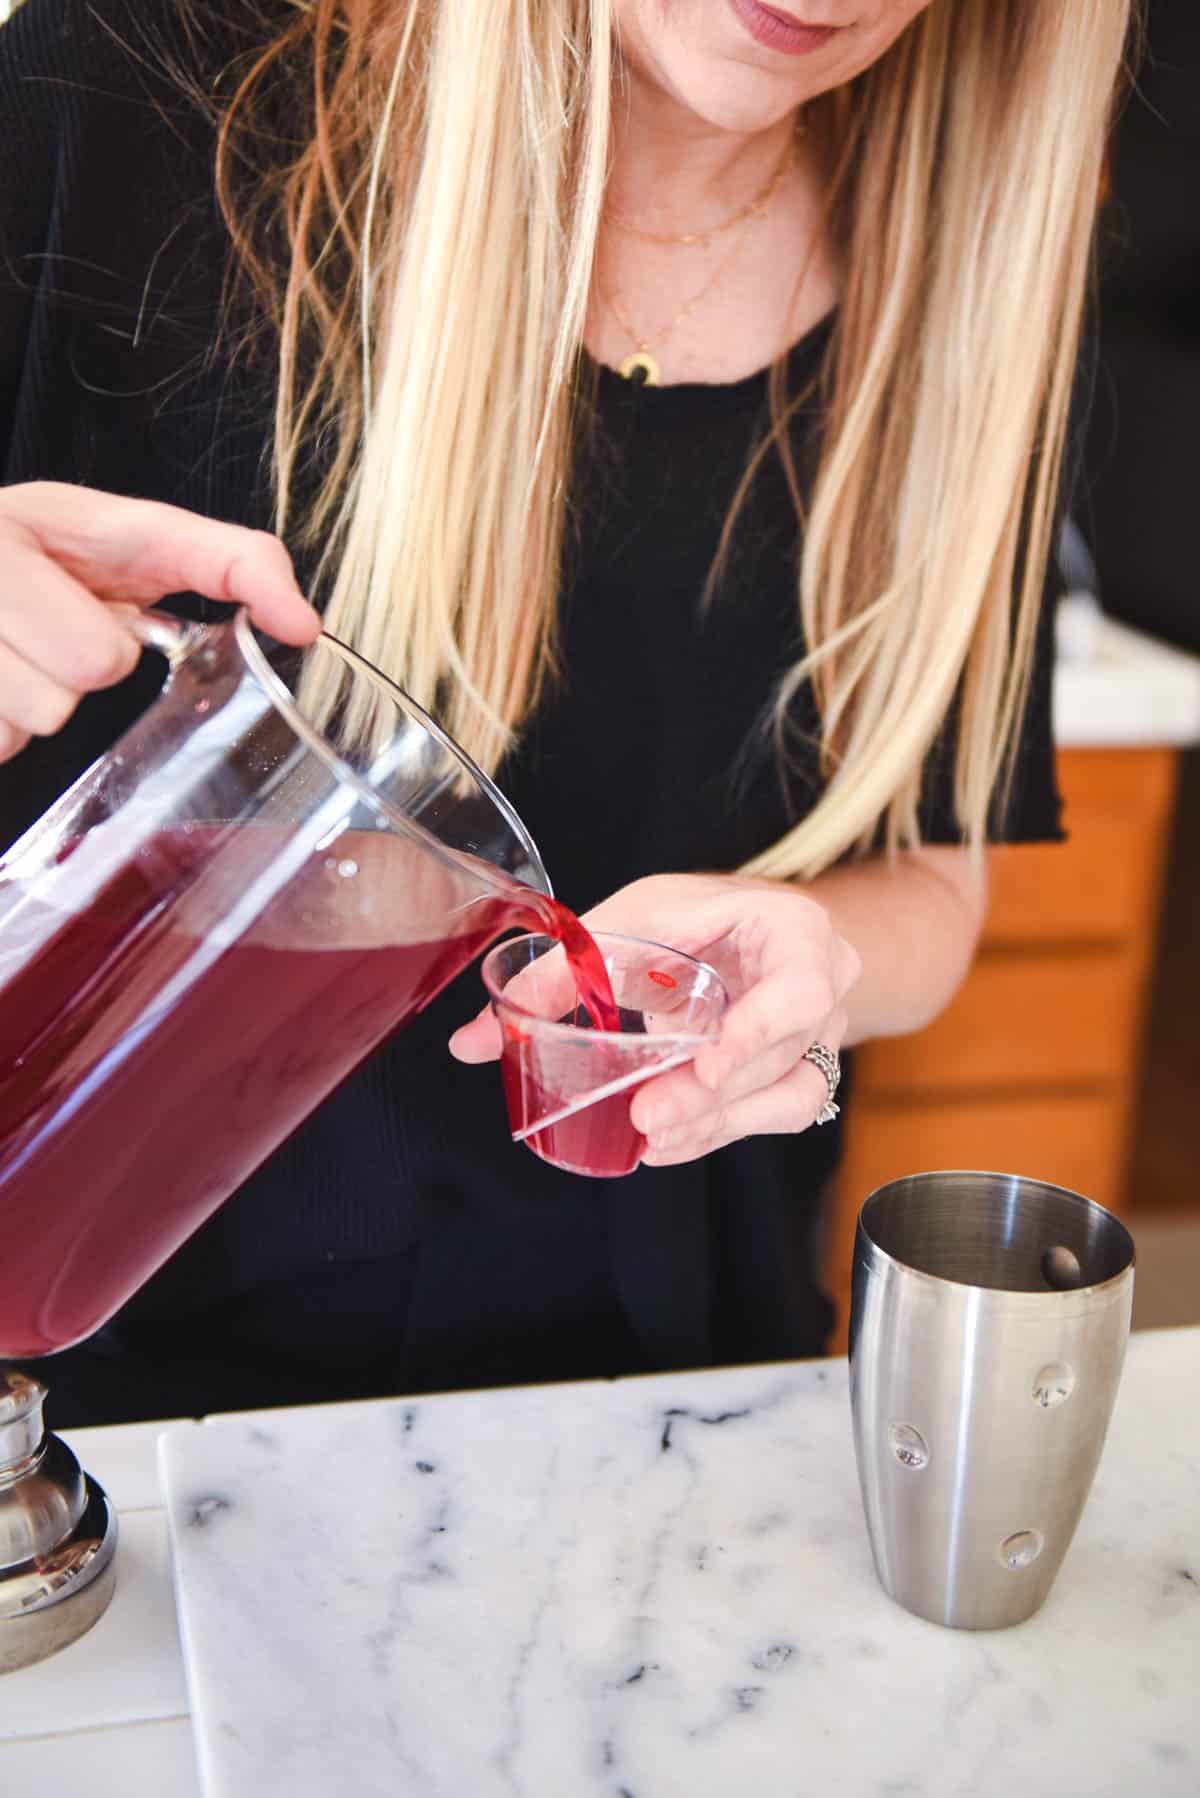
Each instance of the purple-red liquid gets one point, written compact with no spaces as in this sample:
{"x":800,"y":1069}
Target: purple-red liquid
{"x":593,"y":987}
{"x":146,"y":1070}
{"x":599,"y":1139}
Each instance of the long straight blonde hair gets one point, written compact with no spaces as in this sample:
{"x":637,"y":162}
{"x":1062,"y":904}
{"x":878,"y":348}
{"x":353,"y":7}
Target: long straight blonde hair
{"x":428,"y":248}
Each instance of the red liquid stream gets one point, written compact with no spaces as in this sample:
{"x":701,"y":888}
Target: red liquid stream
{"x":593,"y":988}
{"x":146,"y":1070}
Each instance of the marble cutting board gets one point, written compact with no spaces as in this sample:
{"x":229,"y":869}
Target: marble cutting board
{"x":655,"y":1588}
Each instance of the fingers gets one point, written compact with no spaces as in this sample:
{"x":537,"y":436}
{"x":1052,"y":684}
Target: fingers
{"x":12,"y":741}
{"x":847,"y":966}
{"x":790,"y":1105}
{"x":782,"y":959}
{"x":139,"y":550}
{"x":678,"y":1098}
{"x":691,"y":913}
{"x":786,"y":1104}
{"x":544,"y":987}
{"x":54,"y":626}
{"x":256,"y":573}
{"x":68,"y":556}
{"x":32,"y":703}
{"x":790,"y":1001}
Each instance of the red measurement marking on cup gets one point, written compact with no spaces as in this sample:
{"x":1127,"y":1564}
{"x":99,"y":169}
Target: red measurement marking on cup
{"x":661,"y":979}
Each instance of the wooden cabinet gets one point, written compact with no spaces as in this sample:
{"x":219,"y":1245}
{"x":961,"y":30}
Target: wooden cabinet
{"x":1032,"y":1068}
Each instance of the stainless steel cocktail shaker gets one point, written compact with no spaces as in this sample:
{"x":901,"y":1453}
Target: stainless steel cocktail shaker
{"x":988,"y":1327}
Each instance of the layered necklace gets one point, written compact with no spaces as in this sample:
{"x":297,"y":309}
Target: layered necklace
{"x":641,"y":364}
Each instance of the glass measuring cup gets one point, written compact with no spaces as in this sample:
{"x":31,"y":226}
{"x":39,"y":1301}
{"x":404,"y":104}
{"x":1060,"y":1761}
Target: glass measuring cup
{"x":567,"y":1085}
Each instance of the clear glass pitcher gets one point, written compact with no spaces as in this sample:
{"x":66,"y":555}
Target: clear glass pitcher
{"x":280,"y":863}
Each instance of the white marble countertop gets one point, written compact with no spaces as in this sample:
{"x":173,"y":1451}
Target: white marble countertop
{"x":646,"y":1589}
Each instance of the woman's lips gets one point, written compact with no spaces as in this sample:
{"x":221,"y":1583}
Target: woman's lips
{"x":779,"y":31}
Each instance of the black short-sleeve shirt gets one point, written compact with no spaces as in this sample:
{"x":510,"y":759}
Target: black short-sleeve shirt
{"x":399,"y":1241}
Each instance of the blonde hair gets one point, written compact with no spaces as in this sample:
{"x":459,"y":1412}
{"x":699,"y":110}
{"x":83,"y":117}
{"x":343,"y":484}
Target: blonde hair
{"x":440,"y":219}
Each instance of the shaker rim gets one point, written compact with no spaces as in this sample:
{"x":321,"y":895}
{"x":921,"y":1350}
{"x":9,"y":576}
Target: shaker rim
{"x":939,"y":1175}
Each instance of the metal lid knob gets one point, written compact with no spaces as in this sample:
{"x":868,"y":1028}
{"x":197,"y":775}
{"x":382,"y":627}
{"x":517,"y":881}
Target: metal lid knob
{"x":21,"y":1428}
{"x":41,"y":1486}
{"x":58,"y":1533}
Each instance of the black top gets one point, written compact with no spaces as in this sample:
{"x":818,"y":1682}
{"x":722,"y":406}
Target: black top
{"x":400,"y":1241}
{"x":1142,"y":439}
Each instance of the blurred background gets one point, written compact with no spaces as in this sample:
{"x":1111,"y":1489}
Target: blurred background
{"x":1072,"y":1052}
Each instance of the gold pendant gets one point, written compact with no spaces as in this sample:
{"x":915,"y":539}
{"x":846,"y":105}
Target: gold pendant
{"x":641,"y":363}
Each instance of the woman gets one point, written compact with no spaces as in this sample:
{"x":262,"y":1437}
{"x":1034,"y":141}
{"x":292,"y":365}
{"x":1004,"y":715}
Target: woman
{"x":672,"y":391}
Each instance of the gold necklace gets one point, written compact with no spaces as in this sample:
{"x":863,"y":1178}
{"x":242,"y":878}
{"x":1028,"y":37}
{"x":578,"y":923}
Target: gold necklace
{"x":758,"y":204}
{"x":641,"y":362}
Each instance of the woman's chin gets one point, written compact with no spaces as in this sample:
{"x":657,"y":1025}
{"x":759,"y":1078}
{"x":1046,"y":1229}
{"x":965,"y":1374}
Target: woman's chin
{"x":725,"y":93}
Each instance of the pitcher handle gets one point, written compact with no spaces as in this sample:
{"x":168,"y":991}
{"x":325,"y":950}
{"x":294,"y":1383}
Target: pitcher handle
{"x":171,"y":637}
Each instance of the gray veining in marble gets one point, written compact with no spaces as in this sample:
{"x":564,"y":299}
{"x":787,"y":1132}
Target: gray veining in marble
{"x":661,"y":1589}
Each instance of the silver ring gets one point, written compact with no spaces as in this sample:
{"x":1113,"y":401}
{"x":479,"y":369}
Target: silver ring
{"x":829,"y":1063}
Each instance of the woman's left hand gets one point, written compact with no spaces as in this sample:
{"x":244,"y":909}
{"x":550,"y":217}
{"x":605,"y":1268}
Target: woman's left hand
{"x":788,"y":973}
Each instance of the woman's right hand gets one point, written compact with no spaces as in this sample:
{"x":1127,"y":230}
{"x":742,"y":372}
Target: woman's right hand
{"x":69,"y":555}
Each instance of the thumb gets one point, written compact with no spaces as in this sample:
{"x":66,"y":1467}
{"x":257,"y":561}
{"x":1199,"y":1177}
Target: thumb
{"x":479,"y":1040}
